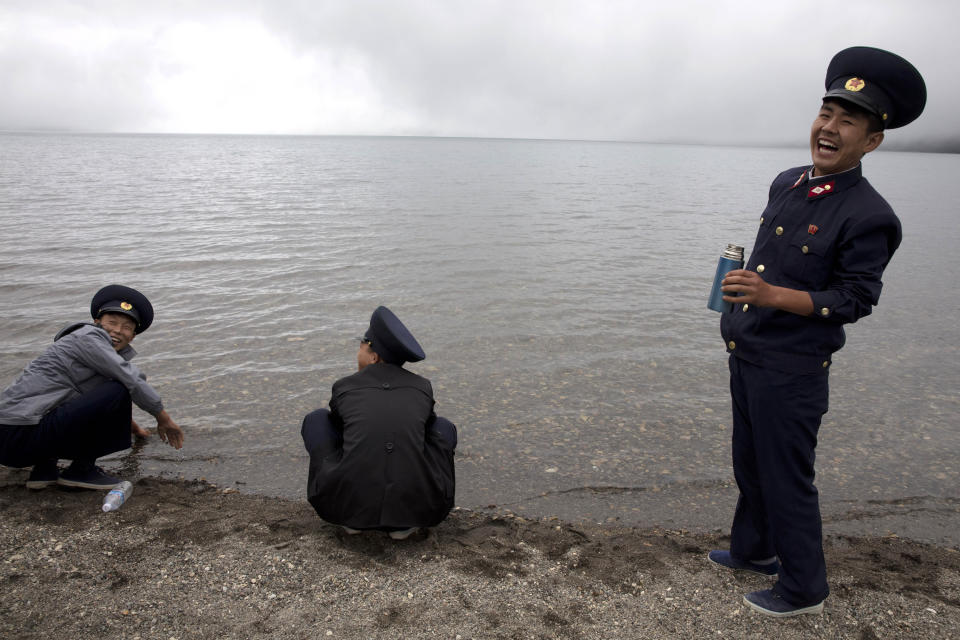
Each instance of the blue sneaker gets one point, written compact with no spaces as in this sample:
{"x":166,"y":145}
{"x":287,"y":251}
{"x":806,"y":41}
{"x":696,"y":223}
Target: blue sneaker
{"x":87,"y":476}
{"x":724,"y":559}
{"x":43,"y":475}
{"x":770,"y":604}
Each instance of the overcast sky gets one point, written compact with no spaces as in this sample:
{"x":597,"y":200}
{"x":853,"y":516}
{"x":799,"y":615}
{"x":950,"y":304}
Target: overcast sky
{"x":747,"y":72}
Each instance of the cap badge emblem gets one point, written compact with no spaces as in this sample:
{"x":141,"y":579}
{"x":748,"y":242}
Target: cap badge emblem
{"x":812,"y":229}
{"x":854,"y":84}
{"x":126,"y":306}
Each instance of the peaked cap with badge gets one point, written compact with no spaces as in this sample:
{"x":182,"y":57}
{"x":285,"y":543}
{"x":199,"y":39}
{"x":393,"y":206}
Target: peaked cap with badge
{"x":881,"y":82}
{"x":116,"y":298}
{"x":392,"y":341}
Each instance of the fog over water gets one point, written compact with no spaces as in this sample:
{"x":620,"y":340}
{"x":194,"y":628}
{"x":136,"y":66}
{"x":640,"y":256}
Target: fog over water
{"x":741,"y":72}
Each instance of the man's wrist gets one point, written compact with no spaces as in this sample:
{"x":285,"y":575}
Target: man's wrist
{"x":792,"y":300}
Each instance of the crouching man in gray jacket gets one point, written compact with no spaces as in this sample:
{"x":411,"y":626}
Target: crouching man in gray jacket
{"x":75,"y":400}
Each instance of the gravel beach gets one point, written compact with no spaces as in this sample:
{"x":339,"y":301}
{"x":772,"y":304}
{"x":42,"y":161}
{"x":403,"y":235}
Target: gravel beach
{"x":190,"y":560}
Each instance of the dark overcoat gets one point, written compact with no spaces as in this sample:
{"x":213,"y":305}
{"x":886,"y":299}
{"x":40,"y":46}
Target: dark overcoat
{"x":393,"y":471}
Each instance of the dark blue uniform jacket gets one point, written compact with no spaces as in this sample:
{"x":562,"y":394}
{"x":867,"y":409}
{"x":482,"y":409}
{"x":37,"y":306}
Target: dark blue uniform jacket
{"x":831,"y":236}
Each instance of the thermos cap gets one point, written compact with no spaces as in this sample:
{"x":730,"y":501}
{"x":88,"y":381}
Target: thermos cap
{"x":733,"y":252}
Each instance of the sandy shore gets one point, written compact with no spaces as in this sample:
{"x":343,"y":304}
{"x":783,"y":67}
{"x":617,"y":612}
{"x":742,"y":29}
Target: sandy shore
{"x":188,"y":560}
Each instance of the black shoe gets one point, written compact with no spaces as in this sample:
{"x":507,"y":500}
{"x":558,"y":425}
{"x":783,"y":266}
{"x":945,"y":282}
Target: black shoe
{"x":724,"y":559}
{"x":43,"y":475}
{"x":87,"y":477}
{"x":770,"y":604}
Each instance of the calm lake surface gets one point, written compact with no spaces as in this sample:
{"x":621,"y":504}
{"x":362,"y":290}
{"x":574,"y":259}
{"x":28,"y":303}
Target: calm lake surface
{"x":558,"y":288}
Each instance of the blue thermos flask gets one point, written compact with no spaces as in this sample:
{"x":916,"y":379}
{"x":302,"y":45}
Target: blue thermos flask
{"x":730,"y":259}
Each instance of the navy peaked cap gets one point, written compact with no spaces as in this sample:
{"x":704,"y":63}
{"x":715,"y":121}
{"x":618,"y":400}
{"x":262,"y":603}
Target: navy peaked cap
{"x":392,"y":341}
{"x":881,"y":82}
{"x":116,"y":298}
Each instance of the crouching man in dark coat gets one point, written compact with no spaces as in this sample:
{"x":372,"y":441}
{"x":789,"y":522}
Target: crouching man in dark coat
{"x":380,"y":458}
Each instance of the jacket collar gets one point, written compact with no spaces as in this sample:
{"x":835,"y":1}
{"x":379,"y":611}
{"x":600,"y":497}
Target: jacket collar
{"x":127,"y":353}
{"x":822,"y":186}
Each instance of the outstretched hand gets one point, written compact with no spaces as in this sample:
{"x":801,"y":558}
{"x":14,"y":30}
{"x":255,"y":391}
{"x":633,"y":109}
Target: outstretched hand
{"x":169,"y":431}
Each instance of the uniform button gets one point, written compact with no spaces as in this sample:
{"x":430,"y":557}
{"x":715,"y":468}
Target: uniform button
{"x":826,"y":363}
{"x":386,"y":385}
{"x":731,"y":345}
{"x":825,"y":312}
{"x":761,"y":268}
{"x":761,"y":219}
{"x":745,"y":307}
{"x":805,"y":249}
{"x":779,"y":231}
{"x":388,"y":447}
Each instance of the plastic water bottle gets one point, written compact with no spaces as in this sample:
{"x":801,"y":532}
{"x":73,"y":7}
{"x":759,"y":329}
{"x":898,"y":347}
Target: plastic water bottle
{"x":117,"y":496}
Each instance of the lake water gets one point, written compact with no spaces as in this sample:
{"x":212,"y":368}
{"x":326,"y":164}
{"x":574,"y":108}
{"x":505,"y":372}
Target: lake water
{"x":559,"y":290}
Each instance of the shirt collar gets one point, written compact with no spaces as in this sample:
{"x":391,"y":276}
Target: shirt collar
{"x":834,"y":176}
{"x":833,"y":183}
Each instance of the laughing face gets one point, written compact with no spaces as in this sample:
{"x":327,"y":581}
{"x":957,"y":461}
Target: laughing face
{"x":839,"y":138}
{"x":121,"y":329}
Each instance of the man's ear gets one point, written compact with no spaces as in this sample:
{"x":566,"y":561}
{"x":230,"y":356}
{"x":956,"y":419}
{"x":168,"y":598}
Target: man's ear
{"x":873,"y":141}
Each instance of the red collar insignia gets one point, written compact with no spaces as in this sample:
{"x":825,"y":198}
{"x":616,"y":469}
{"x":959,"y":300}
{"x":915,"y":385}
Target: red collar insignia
{"x":812,"y":229}
{"x":821,"y":189}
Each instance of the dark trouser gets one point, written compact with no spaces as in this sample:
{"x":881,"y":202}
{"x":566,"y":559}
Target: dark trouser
{"x":95,"y":424}
{"x":318,"y":431}
{"x":776,"y":417}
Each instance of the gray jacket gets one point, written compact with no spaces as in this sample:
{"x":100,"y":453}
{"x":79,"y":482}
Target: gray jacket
{"x":81,"y":358}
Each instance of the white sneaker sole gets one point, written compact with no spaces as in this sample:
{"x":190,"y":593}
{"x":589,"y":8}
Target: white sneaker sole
{"x":79,"y":484}
{"x":36,"y":485}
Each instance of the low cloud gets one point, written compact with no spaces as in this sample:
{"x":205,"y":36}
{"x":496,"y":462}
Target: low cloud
{"x":726,"y":72}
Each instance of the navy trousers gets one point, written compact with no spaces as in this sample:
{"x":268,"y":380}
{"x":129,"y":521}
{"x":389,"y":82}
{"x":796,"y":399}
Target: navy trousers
{"x":318,"y":430}
{"x":776,"y":417}
{"x":93,"y":425}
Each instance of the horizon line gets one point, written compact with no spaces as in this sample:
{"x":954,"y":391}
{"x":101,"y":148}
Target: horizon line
{"x":949,"y":146}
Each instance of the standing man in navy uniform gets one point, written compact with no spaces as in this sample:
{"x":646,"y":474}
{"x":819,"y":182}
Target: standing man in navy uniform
{"x":74,"y":401}
{"x":380,"y":458}
{"x":824,"y":240}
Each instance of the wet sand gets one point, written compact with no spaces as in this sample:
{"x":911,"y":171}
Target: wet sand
{"x":189,"y":560}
